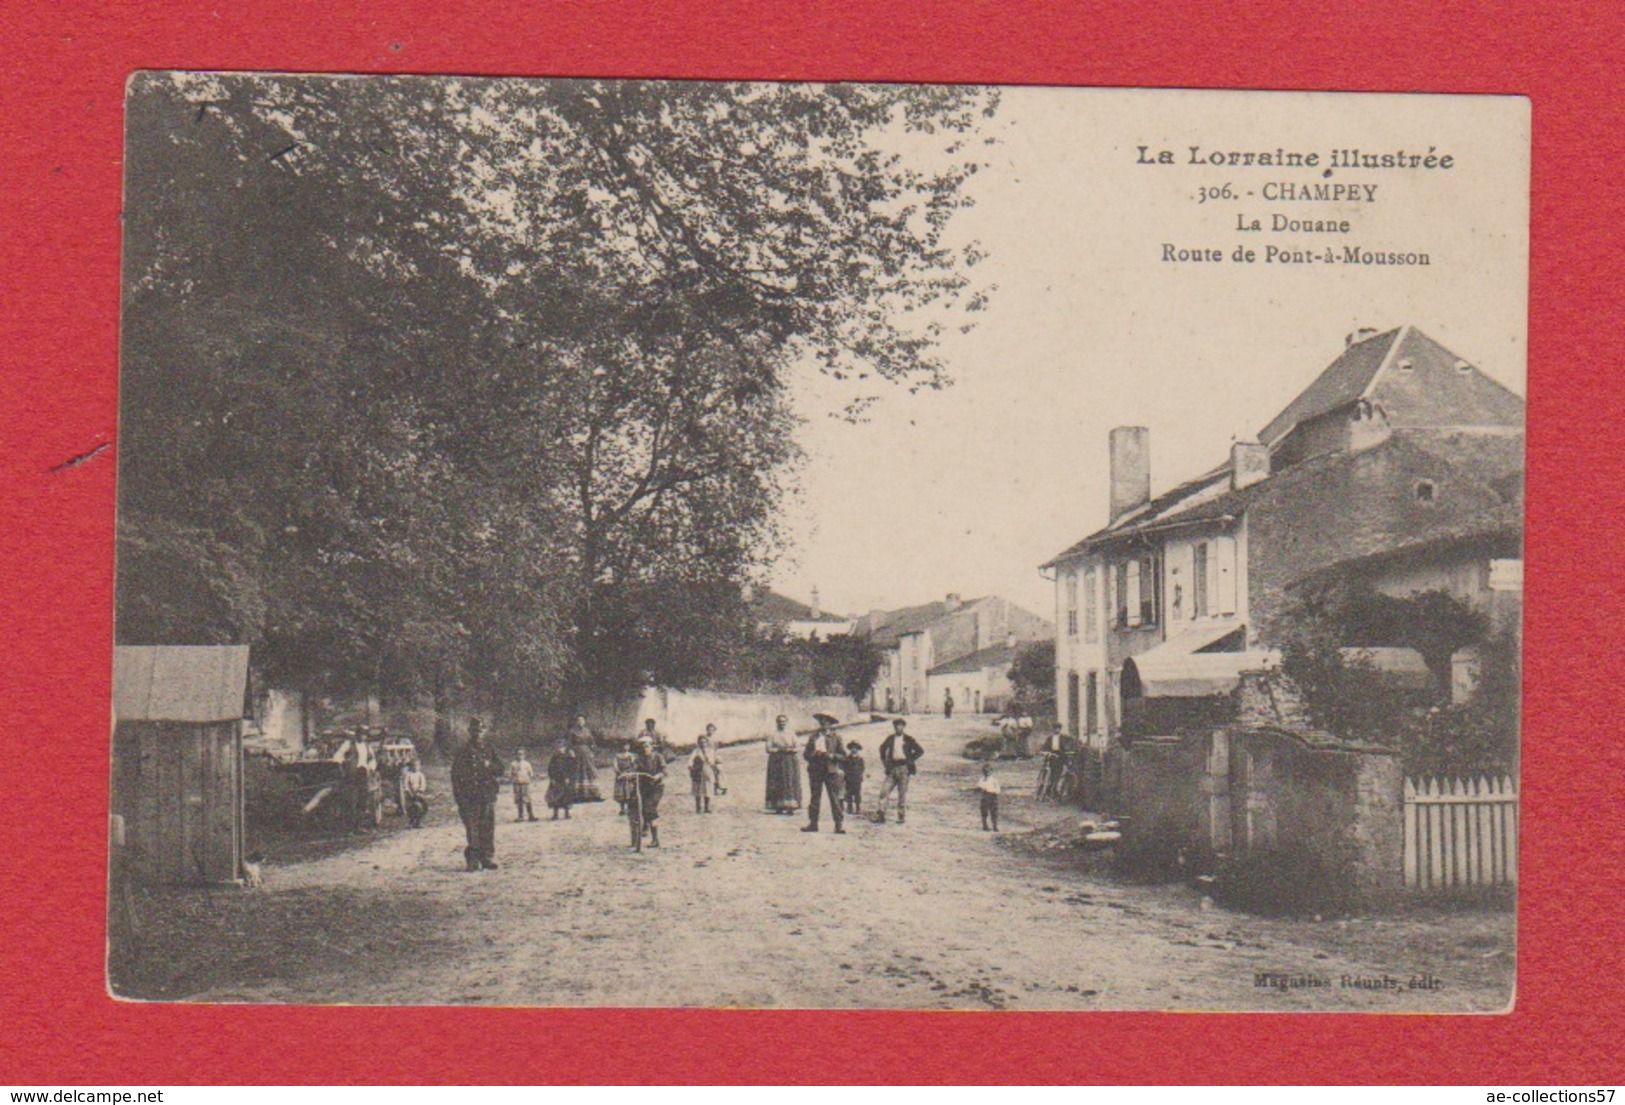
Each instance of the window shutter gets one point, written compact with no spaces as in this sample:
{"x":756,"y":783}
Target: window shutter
{"x":1225,"y":547}
{"x":1134,"y":592}
{"x":1091,"y":607}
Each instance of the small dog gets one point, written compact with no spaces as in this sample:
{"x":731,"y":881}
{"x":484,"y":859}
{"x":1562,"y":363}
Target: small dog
{"x":253,"y":879}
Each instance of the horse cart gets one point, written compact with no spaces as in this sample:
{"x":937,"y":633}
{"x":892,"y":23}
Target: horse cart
{"x":337,"y":783}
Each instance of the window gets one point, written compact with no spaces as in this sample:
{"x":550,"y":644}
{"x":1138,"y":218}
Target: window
{"x":1199,"y":599}
{"x":1425,"y":491}
{"x":1150,"y":588}
{"x":1118,"y":574}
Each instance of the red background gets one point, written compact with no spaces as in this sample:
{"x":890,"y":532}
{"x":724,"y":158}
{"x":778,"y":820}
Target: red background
{"x":61,"y":86}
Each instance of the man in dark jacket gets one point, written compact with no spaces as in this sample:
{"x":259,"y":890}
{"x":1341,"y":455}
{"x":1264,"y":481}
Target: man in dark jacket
{"x":476,"y":778}
{"x":898,"y":755}
{"x":826,"y":770}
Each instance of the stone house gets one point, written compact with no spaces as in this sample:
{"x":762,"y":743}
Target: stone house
{"x":1400,"y":461}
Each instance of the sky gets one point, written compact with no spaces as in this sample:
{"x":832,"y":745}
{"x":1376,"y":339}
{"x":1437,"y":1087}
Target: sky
{"x":971,"y":488}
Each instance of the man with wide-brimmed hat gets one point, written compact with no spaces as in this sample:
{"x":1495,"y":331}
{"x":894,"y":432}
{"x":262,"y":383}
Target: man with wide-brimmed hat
{"x":826,"y":771}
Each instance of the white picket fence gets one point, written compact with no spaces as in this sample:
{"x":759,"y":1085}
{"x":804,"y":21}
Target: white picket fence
{"x":1461,"y":832}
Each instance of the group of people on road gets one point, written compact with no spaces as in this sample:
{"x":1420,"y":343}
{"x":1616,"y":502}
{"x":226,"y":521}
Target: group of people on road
{"x":835,"y":775}
{"x":836,"y":769}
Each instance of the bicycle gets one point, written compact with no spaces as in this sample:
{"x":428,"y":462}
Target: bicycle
{"x":634,"y":811}
{"x":1049,"y":777}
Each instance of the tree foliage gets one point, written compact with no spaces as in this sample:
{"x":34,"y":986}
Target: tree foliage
{"x":433,"y":382}
{"x":1032,"y":679}
{"x":1321,"y":636}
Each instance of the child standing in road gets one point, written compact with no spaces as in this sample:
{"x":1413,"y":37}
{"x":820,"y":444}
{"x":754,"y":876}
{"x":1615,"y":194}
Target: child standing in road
{"x":415,"y":788}
{"x":521,"y":773}
{"x":988,"y":787}
{"x":854,"y":777}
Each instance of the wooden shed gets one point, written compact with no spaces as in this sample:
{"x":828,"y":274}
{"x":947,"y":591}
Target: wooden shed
{"x":178,"y":761}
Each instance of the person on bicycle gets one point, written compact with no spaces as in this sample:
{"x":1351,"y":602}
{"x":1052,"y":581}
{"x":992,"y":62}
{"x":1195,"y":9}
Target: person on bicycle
{"x":649,"y":769}
{"x":1049,"y":773}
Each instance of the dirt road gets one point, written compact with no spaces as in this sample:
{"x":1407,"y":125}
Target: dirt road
{"x":740,"y":908}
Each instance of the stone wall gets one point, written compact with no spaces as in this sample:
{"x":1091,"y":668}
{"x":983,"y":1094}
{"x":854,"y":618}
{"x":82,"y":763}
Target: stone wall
{"x":1331,"y":812}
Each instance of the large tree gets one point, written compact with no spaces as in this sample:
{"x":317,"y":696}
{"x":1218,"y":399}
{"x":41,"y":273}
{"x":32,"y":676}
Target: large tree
{"x":430,"y":380}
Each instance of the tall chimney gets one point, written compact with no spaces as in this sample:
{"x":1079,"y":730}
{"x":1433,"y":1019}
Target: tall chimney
{"x":814,"y":607}
{"x":1130,"y":469}
{"x":952,"y":602}
{"x":1249,"y":463}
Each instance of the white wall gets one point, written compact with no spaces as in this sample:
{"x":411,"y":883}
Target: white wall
{"x":683,"y":715}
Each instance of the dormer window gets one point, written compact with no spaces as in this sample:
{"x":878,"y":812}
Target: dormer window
{"x":1463,"y":367}
{"x":1425,"y":491}
{"x":1406,"y":365}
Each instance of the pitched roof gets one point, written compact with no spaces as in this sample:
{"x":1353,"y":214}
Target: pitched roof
{"x":1438,"y":403}
{"x":1342,"y":381}
{"x":187,"y":683}
{"x":1462,"y":457}
{"x":976,"y":661}
{"x":886,"y":626}
{"x":1416,"y":380}
{"x":774,"y":608}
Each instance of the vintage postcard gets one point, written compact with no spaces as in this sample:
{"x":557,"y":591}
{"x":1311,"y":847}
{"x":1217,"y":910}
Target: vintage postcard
{"x":641,"y":543}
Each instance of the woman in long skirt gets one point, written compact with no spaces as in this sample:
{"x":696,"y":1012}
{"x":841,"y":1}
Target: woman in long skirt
{"x":586,"y":774}
{"x":783,"y":769}
{"x":704,"y":771}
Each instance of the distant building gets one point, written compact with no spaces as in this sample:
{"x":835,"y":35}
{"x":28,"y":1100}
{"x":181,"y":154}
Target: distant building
{"x":979,"y":683}
{"x":775,"y":613}
{"x":915,"y":640}
{"x":1401,"y":463}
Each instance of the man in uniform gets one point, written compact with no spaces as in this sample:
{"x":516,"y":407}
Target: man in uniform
{"x":476,"y":779}
{"x":826,"y":770}
{"x":898,"y":755}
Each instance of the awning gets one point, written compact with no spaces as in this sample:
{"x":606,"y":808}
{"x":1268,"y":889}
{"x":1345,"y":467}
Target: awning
{"x":1178,"y":668}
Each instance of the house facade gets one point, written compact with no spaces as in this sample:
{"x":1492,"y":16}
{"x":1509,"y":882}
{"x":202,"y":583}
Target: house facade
{"x":1400,"y":461}
{"x":979,"y":683}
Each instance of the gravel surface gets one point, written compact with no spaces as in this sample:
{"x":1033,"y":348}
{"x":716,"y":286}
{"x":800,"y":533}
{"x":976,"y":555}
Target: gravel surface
{"x":739,"y":908}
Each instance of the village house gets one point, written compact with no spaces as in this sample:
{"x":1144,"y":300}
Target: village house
{"x":915,"y":641}
{"x":1401,"y":463}
{"x":979,"y":683}
{"x":784,"y":616}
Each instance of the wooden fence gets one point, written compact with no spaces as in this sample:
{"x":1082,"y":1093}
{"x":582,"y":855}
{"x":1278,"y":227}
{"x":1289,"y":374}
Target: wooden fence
{"x":1461,"y":832}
